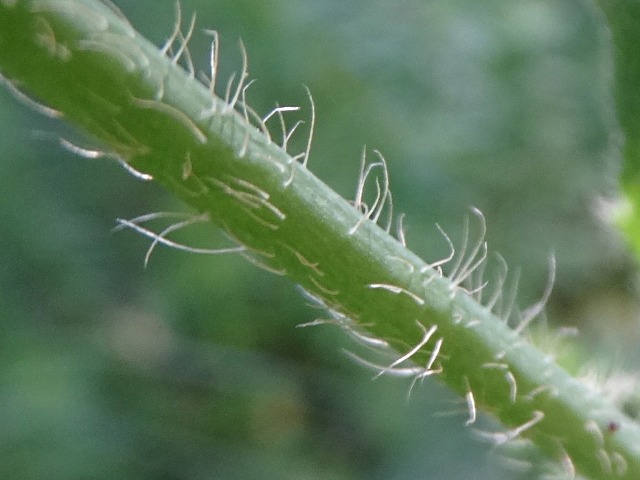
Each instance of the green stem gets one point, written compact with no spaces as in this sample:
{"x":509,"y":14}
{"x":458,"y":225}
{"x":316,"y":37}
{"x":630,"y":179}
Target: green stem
{"x":86,"y":62}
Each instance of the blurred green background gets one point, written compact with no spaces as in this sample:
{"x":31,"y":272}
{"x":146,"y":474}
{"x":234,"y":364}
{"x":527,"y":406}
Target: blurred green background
{"x":192,"y":368}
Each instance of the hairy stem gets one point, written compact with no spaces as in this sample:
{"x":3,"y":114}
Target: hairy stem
{"x":89,"y":66}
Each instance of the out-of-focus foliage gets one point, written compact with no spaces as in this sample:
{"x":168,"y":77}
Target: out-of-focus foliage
{"x":193,"y":368}
{"x":624,"y":18}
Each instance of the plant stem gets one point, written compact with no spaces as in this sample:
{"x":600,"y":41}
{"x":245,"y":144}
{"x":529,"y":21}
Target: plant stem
{"x":86,"y":62}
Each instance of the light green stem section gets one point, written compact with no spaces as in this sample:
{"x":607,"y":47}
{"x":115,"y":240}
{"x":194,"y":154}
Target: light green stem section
{"x":84,"y":60}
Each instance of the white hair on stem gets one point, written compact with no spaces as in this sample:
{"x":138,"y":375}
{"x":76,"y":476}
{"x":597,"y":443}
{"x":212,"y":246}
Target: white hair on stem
{"x":426,"y":336}
{"x":434,"y":354}
{"x":28,"y":101}
{"x":382,"y":192}
{"x":367,"y":340}
{"x":230,"y":101}
{"x":395,"y":368}
{"x":173,"y":112}
{"x":93,"y":154}
{"x":477,"y":282}
{"x":190,"y":66}
{"x":605,"y":460}
{"x":160,"y":238}
{"x":418,"y":373}
{"x":105,"y":42}
{"x":468,"y":263}
{"x":147,"y":217}
{"x":508,"y":376}
{"x":387,"y":227}
{"x":543,"y":389}
{"x":426,"y":372}
{"x":168,"y":230}
{"x":437,"y":265}
{"x":81,"y":151}
{"x":135,"y":54}
{"x":123,"y":57}
{"x":260,"y":220}
{"x":211,"y":81}
{"x":286,"y":135}
{"x":568,"y":467}
{"x":463,"y":248}
{"x":620,"y":465}
{"x":260,"y":193}
{"x":245,"y":111}
{"x":251,"y":114}
{"x":227,"y":91}
{"x":213,"y":59}
{"x":346,"y":323}
{"x":501,"y":277}
{"x":398,"y":290}
{"x":311,"y":127}
{"x":136,"y":173}
{"x":529,"y":314}
{"x":368,"y":211}
{"x":405,"y":262}
{"x":314,"y":301}
{"x":123,"y":139}
{"x":471,"y":404}
{"x":318,"y":321}
{"x":46,"y":36}
{"x":592,"y":427}
{"x":386,"y":193}
{"x":304,"y":156}
{"x":476,"y":290}
{"x":295,"y":158}
{"x":184,"y":45}
{"x":400,"y":233}
{"x":176,"y":31}
{"x":322,"y":288}
{"x":244,"y":74}
{"x":506,"y":307}
{"x":500,"y":438}
{"x":276,"y":271}
{"x":255,"y":198}
{"x":393,"y":372}
{"x":313,"y":266}
{"x":362,"y":177}
{"x":278,"y":110}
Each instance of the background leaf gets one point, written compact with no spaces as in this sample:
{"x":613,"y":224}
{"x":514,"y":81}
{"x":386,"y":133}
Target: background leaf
{"x":112,"y":371}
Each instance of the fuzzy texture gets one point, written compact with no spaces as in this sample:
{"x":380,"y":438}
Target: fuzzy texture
{"x":150,"y":112}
